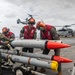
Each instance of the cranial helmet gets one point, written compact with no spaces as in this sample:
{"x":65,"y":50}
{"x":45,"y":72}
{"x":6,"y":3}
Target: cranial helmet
{"x":40,"y":24}
{"x":31,"y":21}
{"x":5,"y":29}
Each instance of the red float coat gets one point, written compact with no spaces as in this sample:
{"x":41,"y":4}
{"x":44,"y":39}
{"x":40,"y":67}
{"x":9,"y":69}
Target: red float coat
{"x":9,"y":35}
{"x":47,"y":34}
{"x":29,"y":33}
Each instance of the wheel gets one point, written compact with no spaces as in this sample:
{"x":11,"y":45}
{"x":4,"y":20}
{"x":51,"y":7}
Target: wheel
{"x":19,"y":71}
{"x":65,"y":35}
{"x":35,"y":68}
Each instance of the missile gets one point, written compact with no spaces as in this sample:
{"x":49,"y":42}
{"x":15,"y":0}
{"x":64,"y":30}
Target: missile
{"x":53,"y":65}
{"x":39,"y":44}
{"x":47,"y":57}
{"x":42,"y":56}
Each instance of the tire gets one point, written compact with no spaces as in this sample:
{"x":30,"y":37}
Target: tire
{"x":65,"y":35}
{"x":35,"y":68}
{"x":19,"y":71}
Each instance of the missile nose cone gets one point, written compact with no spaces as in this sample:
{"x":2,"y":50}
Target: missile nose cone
{"x":61,"y":59}
{"x":56,"y":45}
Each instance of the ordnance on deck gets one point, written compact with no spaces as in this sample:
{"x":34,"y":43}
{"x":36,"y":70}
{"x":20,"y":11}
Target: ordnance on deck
{"x":35,"y":44}
{"x":50,"y":44}
{"x":41,"y":56}
{"x":53,"y":65}
{"x":39,"y":44}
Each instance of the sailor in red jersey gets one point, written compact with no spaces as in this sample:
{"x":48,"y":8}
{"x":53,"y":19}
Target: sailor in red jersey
{"x":28,"y":32}
{"x":48,"y":32}
{"x":8,"y":34}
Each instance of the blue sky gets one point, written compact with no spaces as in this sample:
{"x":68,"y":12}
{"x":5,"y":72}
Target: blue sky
{"x":53,"y":12}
